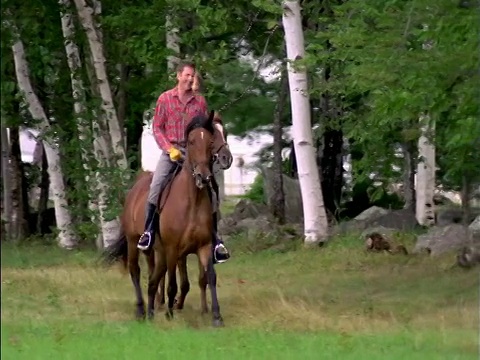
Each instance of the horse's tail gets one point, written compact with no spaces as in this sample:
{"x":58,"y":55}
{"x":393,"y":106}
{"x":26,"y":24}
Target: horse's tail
{"x":118,"y":251}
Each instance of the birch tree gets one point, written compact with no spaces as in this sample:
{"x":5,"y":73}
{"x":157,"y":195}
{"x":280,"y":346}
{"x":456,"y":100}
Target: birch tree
{"x":109,"y":228}
{"x":66,"y":235}
{"x":315,"y":218}
{"x":6,"y":182}
{"x":425,"y":187}
{"x":97,"y":52}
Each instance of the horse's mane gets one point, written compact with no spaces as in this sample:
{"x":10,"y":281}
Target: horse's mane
{"x":199,"y":121}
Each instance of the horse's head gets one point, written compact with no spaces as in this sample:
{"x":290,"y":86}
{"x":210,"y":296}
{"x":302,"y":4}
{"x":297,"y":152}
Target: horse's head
{"x":221,"y":150}
{"x":199,"y":135}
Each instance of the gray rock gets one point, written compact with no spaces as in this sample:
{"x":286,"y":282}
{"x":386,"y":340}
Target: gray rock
{"x":449,"y":216}
{"x":292,"y":193}
{"x":439,"y":240}
{"x":403,"y":220}
{"x":386,"y":232}
{"x":371,"y":213}
{"x":474,"y":227}
{"x":469,"y":256}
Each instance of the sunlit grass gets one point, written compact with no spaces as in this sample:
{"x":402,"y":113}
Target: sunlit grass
{"x":334,"y":301}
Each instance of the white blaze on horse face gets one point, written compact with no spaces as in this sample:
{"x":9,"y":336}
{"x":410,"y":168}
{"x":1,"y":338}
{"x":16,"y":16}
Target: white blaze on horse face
{"x":220,"y":128}
{"x":201,"y":134}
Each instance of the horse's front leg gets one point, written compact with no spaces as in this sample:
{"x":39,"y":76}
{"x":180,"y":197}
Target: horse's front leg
{"x":154,"y":279}
{"x":160,"y":297}
{"x":205,"y":255}
{"x":202,"y":283}
{"x":184,"y":283}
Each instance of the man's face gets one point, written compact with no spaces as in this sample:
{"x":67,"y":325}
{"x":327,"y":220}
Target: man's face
{"x":185,"y":78}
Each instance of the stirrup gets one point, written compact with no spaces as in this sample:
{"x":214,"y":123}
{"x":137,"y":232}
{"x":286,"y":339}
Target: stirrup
{"x":145,"y":238}
{"x":223,"y":257}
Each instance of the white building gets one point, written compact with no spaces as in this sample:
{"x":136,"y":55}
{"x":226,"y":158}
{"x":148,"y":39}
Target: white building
{"x":238,"y":178}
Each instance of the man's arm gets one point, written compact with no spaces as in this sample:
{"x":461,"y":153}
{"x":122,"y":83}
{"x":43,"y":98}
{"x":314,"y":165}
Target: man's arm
{"x":158,"y":124}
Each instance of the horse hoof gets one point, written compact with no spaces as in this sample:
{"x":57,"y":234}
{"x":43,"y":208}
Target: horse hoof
{"x":150,"y":315}
{"x":169,"y":314}
{"x":140,"y":313}
{"x":178,"y":306}
{"x":218,"y":323}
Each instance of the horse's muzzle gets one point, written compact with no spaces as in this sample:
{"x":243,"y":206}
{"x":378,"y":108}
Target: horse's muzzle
{"x":202,"y":180}
{"x":224,"y":160}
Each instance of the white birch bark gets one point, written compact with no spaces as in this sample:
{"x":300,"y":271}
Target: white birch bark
{"x":7,"y":209}
{"x":109,"y":228}
{"x":96,"y":48}
{"x":66,"y":236}
{"x":425,"y":181}
{"x":315,"y":218}
{"x":173,"y":43}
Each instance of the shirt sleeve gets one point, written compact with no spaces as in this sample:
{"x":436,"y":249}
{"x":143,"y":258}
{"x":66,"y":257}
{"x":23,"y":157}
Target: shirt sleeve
{"x":158,"y":124}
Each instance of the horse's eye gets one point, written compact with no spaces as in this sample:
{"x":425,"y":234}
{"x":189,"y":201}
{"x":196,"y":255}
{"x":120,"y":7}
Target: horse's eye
{"x":191,"y":142}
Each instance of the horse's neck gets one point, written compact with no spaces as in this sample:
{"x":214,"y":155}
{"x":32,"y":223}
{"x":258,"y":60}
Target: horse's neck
{"x":194,"y":194}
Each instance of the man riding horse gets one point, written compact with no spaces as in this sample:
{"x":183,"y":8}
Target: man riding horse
{"x":173,"y":111}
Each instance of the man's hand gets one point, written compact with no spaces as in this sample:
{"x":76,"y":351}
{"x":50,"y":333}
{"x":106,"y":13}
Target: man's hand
{"x":175,"y":154}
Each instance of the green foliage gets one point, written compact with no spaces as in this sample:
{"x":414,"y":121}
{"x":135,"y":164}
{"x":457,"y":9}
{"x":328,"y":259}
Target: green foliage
{"x":387,"y":63}
{"x":393,"y":61}
{"x":256,"y":193}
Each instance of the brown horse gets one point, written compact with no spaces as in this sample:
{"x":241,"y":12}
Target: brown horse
{"x":223,"y":158}
{"x":187,"y":236}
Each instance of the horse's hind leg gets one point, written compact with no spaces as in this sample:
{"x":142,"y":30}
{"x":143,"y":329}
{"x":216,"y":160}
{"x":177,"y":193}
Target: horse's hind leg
{"x":161,"y":293}
{"x":205,"y":256}
{"x":134,"y":269}
{"x":184,"y":283}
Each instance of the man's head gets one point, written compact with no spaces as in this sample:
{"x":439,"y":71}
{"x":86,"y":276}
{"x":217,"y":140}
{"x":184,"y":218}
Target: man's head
{"x":185,"y":75}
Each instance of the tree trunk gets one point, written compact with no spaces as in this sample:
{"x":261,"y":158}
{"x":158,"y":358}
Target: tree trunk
{"x":465,"y":195}
{"x":332,"y":169}
{"x":7,"y":209}
{"x":66,"y":236}
{"x":109,"y":228}
{"x":409,"y":176}
{"x":20,"y":202}
{"x":315,"y":218}
{"x":278,"y":200}
{"x":121,"y":97}
{"x":173,"y":44}
{"x":425,"y":207}
{"x":44,"y":193}
{"x":96,"y":49}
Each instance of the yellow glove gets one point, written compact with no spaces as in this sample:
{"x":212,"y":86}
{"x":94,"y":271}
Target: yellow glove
{"x":175,"y":154}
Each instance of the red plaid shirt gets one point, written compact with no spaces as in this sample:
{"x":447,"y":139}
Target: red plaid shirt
{"x":172,"y":116}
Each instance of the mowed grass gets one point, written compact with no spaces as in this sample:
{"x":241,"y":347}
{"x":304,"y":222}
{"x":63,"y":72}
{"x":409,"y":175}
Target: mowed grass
{"x":325,"y":303}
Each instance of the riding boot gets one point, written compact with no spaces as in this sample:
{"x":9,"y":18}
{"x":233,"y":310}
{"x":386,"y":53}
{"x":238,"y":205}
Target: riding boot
{"x":148,"y":237}
{"x":220,"y":251}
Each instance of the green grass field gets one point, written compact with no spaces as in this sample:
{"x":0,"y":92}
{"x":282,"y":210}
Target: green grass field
{"x":325,"y":303}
